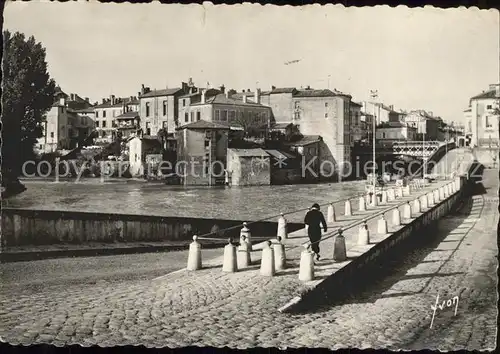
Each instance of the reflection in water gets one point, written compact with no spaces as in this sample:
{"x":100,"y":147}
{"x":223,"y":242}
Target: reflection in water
{"x":242,"y":203}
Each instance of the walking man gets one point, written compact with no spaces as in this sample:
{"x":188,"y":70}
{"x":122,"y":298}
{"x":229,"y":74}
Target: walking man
{"x":314,"y":219}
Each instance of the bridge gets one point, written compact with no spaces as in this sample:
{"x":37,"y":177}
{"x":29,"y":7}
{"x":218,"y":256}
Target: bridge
{"x":416,"y":148}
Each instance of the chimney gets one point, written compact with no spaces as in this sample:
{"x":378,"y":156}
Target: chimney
{"x":391,"y":107}
{"x":227,"y":93}
{"x":185,"y":87}
{"x":203,"y":92}
{"x":103,"y":101}
{"x":87,"y":100}
{"x":143,"y":89}
{"x":273,"y":88}
{"x":222,"y":89}
{"x":244,"y":97}
{"x":139,"y":94}
{"x":257,"y":95}
{"x":112,"y":99}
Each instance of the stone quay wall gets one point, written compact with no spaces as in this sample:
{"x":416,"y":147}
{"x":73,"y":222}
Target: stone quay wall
{"x":21,"y":227}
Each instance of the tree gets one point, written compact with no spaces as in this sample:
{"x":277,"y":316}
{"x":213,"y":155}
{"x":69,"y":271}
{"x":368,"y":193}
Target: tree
{"x":28,"y":93}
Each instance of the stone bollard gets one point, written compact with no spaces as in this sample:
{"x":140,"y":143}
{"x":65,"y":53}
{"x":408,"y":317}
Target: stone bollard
{"x":382,"y":226}
{"x":243,"y":256}
{"x":450,"y":189}
{"x":384,"y":197}
{"x":391,"y":195}
{"x":445,"y":191}
{"x":396,"y":217}
{"x":362,"y":203}
{"x":229,"y":264}
{"x":400,"y":192}
{"x":348,"y":209}
{"x":194,"y":256}
{"x":436,"y":194}
{"x":306,"y":269}
{"x":457,"y":183}
{"x":407,"y":210}
{"x":363,"y":234}
{"x":406,"y":191}
{"x":267,"y":263}
{"x":282,"y":227}
{"x":423,"y":202}
{"x":279,"y":255}
{"x":331,"y":217}
{"x":339,"y":251}
{"x":430,"y":199}
{"x":416,"y":206}
{"x":245,"y":234}
{"x":374,"y":199}
{"x":441,"y":193}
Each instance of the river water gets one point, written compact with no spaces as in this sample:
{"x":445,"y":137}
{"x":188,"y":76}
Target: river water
{"x":136,"y":197}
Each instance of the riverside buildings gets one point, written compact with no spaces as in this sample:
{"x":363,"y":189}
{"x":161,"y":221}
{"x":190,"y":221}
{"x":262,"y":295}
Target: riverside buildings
{"x":324,"y":113}
{"x":481,"y":117}
{"x":68,"y":122}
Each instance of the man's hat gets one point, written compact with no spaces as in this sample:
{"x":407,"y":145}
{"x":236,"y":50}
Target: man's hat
{"x":315,"y":206}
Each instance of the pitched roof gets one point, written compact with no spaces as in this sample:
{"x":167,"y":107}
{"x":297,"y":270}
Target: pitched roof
{"x":84,"y":110}
{"x":280,"y":155}
{"x":487,"y":94}
{"x":164,"y":92}
{"x":203,"y":124}
{"x":221,"y":98}
{"x":356,"y":104}
{"x":281,"y":125}
{"x":305,"y":140}
{"x":128,"y":115}
{"x":250,"y":152}
{"x":284,"y":90}
{"x":315,"y":93}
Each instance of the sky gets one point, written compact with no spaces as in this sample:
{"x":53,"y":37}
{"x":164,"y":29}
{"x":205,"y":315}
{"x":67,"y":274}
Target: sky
{"x":424,"y":58}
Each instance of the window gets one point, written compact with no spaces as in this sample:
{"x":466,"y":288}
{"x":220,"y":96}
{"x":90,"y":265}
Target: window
{"x":164,"y":108}
{"x":97,"y":123}
{"x":486,"y":120}
{"x":488,"y":106}
{"x":148,"y":128}
{"x":198,"y":115}
{"x":97,"y":114}
{"x":192,"y":116}
{"x":186,"y":117}
{"x":104,"y":114}
{"x":135,"y":157}
{"x":207,"y":143}
{"x":217,"y":114}
{"x":51,"y":134}
{"x":326,"y":104}
{"x":224,"y":116}
{"x":326,"y":115}
{"x":232,"y":116}
{"x":147,"y":109}
{"x":184,"y":102}
{"x":383,"y":135}
{"x":104,"y":124}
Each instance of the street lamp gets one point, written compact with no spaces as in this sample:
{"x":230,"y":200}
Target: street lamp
{"x":374,"y":96}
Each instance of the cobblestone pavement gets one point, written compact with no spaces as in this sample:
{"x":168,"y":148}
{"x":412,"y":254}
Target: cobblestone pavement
{"x":236,"y":310}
